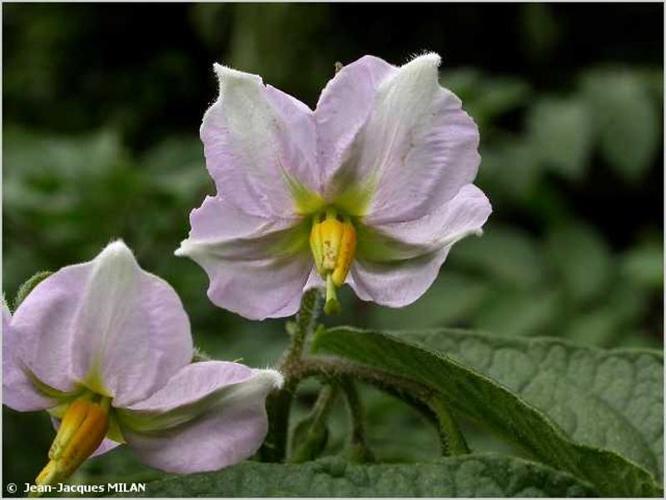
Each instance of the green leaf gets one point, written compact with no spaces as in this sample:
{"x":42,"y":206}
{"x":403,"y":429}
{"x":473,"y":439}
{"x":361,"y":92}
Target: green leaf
{"x":518,"y":312}
{"x":581,"y":260}
{"x":511,"y":168}
{"x":174,"y":167}
{"x":626,"y":119}
{"x":29,"y":285}
{"x":481,"y":475}
{"x":590,"y":433}
{"x":607,"y":398}
{"x":506,"y":254}
{"x":308,"y":439}
{"x":310,"y":435}
{"x":561,"y":131}
{"x":644,"y":265}
{"x":622,"y":307}
{"x":451,"y":298}
{"x":486,"y":97}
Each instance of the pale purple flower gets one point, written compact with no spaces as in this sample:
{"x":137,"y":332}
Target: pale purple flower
{"x":108,"y":334}
{"x":387,"y":152}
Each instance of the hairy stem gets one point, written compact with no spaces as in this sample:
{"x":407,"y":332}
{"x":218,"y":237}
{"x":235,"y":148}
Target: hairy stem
{"x":424,"y":399}
{"x":277,"y":407}
{"x":278,"y":404}
{"x":315,"y":435}
{"x":359,"y":451}
{"x":305,"y":324}
{"x":333,"y":371}
{"x":338,"y":370}
{"x":451,"y":439}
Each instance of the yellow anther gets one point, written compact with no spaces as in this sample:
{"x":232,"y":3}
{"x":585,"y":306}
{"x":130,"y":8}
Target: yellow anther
{"x":81,"y":431}
{"x":333,"y":245}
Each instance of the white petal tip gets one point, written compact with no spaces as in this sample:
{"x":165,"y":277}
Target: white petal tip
{"x":115,"y":264}
{"x":179,"y":252}
{"x":478,"y":232}
{"x":273,"y":378}
{"x":227,"y":75}
{"x":117,"y":251}
{"x":429,"y":58}
{"x":186,"y":249}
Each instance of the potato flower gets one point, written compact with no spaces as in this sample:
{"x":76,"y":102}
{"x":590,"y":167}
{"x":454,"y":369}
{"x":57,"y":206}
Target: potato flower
{"x":105,"y":348}
{"x":372,"y":188}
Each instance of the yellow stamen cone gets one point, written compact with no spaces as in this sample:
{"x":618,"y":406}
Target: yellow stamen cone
{"x":81,"y":431}
{"x":333,"y":245}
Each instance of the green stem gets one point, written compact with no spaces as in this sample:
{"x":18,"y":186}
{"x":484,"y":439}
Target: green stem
{"x":323,"y":404}
{"x":338,"y":370}
{"x":306,"y":322}
{"x":296,"y":368}
{"x":277,"y":407}
{"x":278,"y":404}
{"x":424,"y":399}
{"x":359,"y":451}
{"x":451,"y":439}
{"x":316,"y":434}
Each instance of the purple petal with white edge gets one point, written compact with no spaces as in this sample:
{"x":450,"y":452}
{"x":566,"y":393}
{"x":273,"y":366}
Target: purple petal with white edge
{"x":344,"y":106}
{"x":209,"y":416}
{"x":297,"y":137}
{"x":421,"y":247}
{"x":257,"y":266}
{"x":256,"y":141}
{"x":107,"y":324}
{"x":417,"y":148}
{"x":18,"y":392}
{"x":131,"y":325}
{"x":41,"y":330}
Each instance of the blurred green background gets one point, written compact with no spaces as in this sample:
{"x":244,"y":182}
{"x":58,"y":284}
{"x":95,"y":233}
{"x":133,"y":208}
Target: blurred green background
{"x":102,"y":105}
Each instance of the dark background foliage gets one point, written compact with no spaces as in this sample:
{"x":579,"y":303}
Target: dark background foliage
{"x":102,"y":105}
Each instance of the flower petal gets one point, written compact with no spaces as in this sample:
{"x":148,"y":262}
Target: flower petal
{"x":105,"y":446}
{"x":417,"y":148}
{"x":412,"y":252}
{"x":106,"y":324}
{"x":209,"y":416}
{"x":257,"y":267}
{"x":18,"y":392}
{"x":41,"y":329}
{"x":259,"y":145}
{"x":344,"y":106}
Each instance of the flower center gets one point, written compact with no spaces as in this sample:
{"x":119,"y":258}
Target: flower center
{"x":82,"y":430}
{"x":333,"y":245}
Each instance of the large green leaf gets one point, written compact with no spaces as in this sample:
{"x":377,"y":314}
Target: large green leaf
{"x":482,"y":475}
{"x":607,"y":398}
{"x":522,"y":418}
